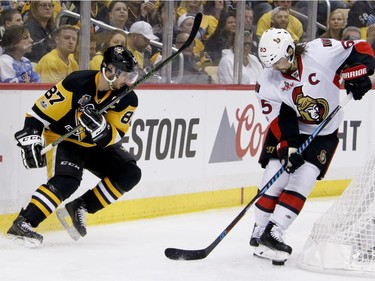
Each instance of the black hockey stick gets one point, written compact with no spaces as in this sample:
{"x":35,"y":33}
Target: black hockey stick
{"x":188,"y":42}
{"x":180,"y":254}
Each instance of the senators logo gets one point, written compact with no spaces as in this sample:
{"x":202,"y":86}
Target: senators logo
{"x":312,"y":110}
{"x":322,"y":157}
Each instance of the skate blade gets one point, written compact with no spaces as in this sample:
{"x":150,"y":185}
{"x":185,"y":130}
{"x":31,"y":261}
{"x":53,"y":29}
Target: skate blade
{"x":25,"y":241}
{"x":62,"y":214}
{"x":277,"y":257}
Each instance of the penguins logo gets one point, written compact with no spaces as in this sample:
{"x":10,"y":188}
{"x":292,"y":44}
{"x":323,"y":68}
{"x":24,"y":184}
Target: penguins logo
{"x":85,"y":99}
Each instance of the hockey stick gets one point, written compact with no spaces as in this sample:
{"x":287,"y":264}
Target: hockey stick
{"x":188,"y":42}
{"x":180,"y":254}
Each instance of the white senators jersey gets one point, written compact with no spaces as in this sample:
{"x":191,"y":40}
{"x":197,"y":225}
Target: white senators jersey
{"x":313,"y":89}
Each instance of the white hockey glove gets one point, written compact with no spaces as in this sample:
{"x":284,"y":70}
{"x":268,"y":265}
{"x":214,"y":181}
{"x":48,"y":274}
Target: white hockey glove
{"x":94,"y":123}
{"x":289,"y":157}
{"x":356,"y":80}
{"x":31,"y":144}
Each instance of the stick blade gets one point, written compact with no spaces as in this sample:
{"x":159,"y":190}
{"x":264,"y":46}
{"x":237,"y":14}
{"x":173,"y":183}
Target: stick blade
{"x":179,"y":254}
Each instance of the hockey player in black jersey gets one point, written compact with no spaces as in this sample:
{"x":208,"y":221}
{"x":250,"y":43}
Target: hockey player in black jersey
{"x":97,"y":147}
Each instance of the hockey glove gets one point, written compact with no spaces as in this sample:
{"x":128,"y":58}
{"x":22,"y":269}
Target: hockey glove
{"x":289,"y":158}
{"x":95,"y":124}
{"x":357,"y":81}
{"x":31,"y":145}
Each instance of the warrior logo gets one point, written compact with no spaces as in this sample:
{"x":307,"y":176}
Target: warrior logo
{"x":312,"y":110}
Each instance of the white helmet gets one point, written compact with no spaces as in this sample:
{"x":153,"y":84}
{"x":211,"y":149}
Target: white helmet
{"x":273,"y":45}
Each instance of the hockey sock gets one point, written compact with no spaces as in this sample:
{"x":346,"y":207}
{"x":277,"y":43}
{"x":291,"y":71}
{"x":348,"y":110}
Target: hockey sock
{"x":287,"y":209}
{"x":264,"y":208}
{"x":43,"y":203}
{"x":102,"y":195}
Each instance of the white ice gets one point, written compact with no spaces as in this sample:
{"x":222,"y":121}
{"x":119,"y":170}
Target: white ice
{"x":135,"y":251}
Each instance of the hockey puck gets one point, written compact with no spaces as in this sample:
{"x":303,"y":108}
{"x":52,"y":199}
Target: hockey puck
{"x":278,"y":262}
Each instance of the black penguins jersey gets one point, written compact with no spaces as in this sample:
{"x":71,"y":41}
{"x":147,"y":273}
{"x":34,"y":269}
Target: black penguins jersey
{"x":59,"y":108}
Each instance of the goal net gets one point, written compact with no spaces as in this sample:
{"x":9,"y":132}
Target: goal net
{"x":343,"y":239}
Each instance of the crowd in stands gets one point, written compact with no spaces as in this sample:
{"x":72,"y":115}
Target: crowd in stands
{"x":34,"y":49}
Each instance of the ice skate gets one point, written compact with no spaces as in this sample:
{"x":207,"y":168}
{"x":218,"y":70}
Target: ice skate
{"x":272,"y":246}
{"x":255,"y":236}
{"x":22,"y":233}
{"x":76,"y":210}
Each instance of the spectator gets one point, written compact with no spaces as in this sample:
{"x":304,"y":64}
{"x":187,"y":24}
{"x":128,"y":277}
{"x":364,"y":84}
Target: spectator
{"x":57,"y":64}
{"x":260,"y":8}
{"x":280,"y":18}
{"x":222,"y":38}
{"x":6,"y":5}
{"x":214,"y":8}
{"x":185,"y":24}
{"x":92,"y":51}
{"x":57,"y":6}
{"x":249,"y":18}
{"x":209,"y":22}
{"x":336,"y":25}
{"x":117,"y":17}
{"x":190,"y":6}
{"x":140,"y":11}
{"x":362,"y":15}
{"x":14,"y":67}
{"x":99,"y":11}
{"x":110,"y":38}
{"x":302,"y":7}
{"x":118,"y":14}
{"x":251,"y":66}
{"x":138,"y":42}
{"x":249,"y":25}
{"x":351,"y":33}
{"x":192,"y":73}
{"x":160,"y":18}
{"x":41,"y":24}
{"x":295,"y":27}
{"x":9,"y":18}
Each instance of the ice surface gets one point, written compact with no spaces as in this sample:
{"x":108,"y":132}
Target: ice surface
{"x":135,"y":251}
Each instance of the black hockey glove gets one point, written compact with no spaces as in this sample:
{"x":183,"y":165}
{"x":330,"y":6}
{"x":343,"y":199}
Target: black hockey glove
{"x":31,"y":143}
{"x":289,"y":158}
{"x":95,"y":124}
{"x":356,"y":80}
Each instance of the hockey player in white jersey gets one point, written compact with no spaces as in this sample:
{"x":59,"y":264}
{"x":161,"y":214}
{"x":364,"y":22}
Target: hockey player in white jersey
{"x":298,"y":88}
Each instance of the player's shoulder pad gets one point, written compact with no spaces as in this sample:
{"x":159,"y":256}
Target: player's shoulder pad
{"x":131,"y":99}
{"x":79,"y":80}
